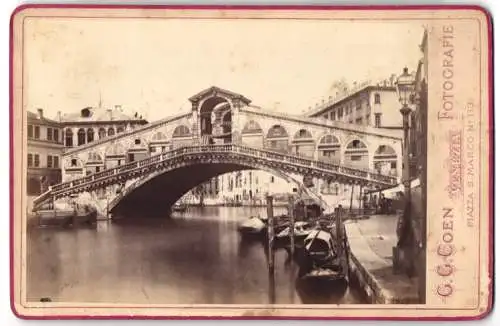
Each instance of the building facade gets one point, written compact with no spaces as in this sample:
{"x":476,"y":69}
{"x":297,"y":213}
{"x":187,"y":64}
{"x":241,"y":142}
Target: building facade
{"x":45,"y":146}
{"x":367,"y":104}
{"x":246,"y":187}
{"x":375,"y":105}
{"x":90,"y":124}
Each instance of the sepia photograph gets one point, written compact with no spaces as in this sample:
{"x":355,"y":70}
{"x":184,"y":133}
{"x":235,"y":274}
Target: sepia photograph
{"x":242,"y":160}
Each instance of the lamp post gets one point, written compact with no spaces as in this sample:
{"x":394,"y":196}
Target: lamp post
{"x":404,"y":252}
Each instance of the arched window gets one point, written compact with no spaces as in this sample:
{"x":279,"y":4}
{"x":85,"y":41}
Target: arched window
{"x":329,"y":149}
{"x":90,"y":135}
{"x":81,"y":137}
{"x":111,"y":132}
{"x":68,"y":137}
{"x":181,"y":131}
{"x":377,"y":98}
{"x":102,"y":133}
{"x":356,"y":144}
{"x":251,"y":127}
{"x":277,"y":131}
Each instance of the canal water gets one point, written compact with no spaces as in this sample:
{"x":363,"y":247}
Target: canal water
{"x":196,"y":257}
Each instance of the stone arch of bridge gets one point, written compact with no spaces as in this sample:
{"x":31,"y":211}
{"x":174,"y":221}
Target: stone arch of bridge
{"x":163,"y":188}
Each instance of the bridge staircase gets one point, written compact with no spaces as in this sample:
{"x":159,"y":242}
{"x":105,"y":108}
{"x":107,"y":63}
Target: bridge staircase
{"x":265,"y":157}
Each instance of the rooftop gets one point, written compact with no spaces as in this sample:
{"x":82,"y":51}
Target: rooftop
{"x":99,"y":114}
{"x":40,"y":117}
{"x":347,"y":93}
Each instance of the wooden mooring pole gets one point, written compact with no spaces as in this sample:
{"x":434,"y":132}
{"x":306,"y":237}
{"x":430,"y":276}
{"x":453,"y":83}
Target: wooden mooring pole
{"x":352,"y":196}
{"x":270,"y":237}
{"x":270,"y":232}
{"x":292,"y":225}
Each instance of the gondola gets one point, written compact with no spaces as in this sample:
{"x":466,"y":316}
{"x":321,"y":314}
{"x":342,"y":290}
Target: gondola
{"x":325,"y":255}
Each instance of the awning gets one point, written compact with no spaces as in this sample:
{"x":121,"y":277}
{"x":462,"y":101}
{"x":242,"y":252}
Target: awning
{"x":391,"y":193}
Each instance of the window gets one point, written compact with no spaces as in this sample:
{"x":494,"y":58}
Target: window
{"x":356,"y":158}
{"x":36,"y":159}
{"x":69,"y":138}
{"x":359,"y":121}
{"x":56,"y":135}
{"x":30,"y":131}
{"x":81,"y":137}
{"x":111,"y":132}
{"x":56,"y":161}
{"x":163,"y":148}
{"x":329,"y":153}
{"x":30,"y":160}
{"x":272,"y":179}
{"x":49,"y":161}
{"x":378,"y":120}
{"x":73,"y":162}
{"x":49,"y":133}
{"x":152,"y":149}
{"x":393,"y":165}
{"x":90,"y":135}
{"x":377,"y":98}
{"x":37,"y":132}
{"x":325,"y":116}
{"x":137,"y":141}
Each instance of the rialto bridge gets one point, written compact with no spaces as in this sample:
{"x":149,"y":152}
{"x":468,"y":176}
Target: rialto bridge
{"x":154,"y":165}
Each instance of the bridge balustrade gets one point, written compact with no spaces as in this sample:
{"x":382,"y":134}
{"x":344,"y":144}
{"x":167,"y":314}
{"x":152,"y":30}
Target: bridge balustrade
{"x":250,"y":151}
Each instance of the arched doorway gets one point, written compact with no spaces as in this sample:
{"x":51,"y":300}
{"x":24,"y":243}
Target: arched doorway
{"x":356,"y":154}
{"x":209,"y":108}
{"x":329,"y":149}
{"x":138,"y":151}
{"x":114,"y":156}
{"x":207,"y":114}
{"x":252,"y":134}
{"x":277,"y":139}
{"x":94,"y":163}
{"x":303,"y":143}
{"x":181,"y":136}
{"x":385,"y":160}
{"x":159,"y":143}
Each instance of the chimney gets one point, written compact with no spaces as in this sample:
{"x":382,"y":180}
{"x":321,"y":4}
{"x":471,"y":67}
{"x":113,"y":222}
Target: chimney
{"x":110,"y":114}
{"x":40,"y":113}
{"x":59,"y":118}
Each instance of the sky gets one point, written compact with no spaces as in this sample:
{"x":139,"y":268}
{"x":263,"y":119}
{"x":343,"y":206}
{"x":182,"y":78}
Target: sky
{"x":153,"y":66}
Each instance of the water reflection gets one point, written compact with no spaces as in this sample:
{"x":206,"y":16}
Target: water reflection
{"x":196,"y":257}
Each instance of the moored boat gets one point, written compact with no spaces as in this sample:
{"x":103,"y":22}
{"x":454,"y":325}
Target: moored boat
{"x":253,"y":226}
{"x":301,"y":231}
{"x":325,"y":255}
{"x":179,"y":207}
